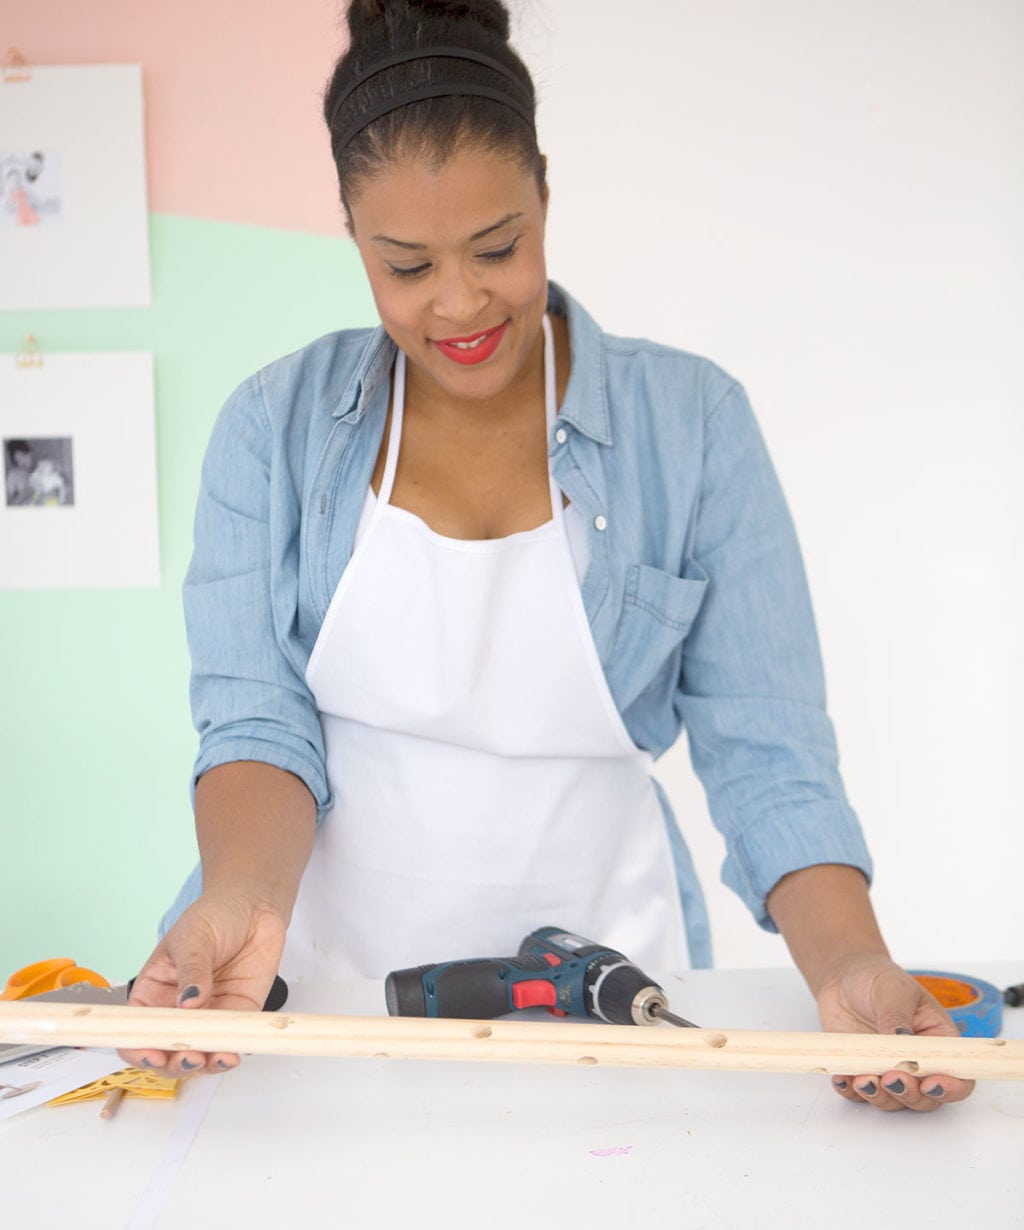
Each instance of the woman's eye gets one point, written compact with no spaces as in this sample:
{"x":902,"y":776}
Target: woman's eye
{"x":398,"y":272}
{"x":414,"y":271}
{"x":500,"y":254}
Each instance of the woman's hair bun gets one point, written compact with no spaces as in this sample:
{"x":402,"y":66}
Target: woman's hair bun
{"x":491,"y":14}
{"x":365,"y":16}
{"x":418,"y":78}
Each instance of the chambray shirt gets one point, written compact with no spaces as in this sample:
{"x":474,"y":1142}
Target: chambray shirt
{"x":694,"y":589}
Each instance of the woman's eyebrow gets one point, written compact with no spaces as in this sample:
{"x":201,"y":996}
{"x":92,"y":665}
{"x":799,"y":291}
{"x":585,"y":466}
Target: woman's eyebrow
{"x":495,"y":226}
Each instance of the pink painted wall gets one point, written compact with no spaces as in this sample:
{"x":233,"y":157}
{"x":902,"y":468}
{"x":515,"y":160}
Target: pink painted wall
{"x":232,"y":96}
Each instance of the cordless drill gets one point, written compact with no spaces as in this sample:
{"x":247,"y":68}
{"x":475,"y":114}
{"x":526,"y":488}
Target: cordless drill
{"x":553,"y":969}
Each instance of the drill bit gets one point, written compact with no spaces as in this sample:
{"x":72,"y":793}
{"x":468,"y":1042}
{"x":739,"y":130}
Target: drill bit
{"x":659,"y":1010}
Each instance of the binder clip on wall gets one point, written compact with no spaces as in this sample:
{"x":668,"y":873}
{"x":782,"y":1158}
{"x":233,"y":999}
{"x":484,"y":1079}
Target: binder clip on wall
{"x":29,"y":354}
{"x":15,"y":68}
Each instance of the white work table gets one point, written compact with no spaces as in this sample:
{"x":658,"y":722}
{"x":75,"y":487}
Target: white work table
{"x":286,"y":1142}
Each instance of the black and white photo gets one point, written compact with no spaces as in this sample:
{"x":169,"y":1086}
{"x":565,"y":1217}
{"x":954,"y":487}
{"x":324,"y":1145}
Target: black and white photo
{"x":38,"y":472}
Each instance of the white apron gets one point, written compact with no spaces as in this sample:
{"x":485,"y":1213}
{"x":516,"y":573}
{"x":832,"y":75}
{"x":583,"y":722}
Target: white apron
{"x":484,"y":783}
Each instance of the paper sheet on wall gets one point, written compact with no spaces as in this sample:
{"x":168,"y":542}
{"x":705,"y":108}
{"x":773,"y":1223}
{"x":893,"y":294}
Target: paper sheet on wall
{"x":79,"y":506}
{"x":73,"y":217}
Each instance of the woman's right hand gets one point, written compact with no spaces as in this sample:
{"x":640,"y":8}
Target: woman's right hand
{"x":223,"y":952}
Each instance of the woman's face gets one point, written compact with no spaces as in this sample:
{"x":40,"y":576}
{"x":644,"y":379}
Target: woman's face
{"x":455,"y":258}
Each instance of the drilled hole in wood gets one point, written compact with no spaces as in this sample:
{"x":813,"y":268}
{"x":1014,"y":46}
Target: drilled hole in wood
{"x":716,"y":1040}
{"x":908,"y":1065}
{"x":280,"y":1022}
{"x":587,"y":1060}
{"x":481,"y":1031}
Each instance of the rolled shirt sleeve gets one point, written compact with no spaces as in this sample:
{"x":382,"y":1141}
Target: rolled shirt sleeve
{"x":752,"y":697}
{"x":249,"y":696}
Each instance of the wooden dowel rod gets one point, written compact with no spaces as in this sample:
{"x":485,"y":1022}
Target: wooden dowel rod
{"x":112,"y":1102}
{"x":585,"y":1043}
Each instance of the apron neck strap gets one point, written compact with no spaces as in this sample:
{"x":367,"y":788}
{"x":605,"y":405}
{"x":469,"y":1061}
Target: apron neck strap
{"x":398,"y":412}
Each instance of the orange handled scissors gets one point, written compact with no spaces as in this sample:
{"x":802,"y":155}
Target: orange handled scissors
{"x":48,"y":976}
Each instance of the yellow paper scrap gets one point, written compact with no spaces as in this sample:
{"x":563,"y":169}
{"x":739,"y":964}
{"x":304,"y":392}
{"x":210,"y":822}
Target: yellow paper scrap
{"x":135,"y":1082}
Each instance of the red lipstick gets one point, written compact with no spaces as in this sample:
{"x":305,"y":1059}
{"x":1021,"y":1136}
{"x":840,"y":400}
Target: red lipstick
{"x":474,"y":348}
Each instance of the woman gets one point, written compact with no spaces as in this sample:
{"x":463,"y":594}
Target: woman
{"x":459,"y":580}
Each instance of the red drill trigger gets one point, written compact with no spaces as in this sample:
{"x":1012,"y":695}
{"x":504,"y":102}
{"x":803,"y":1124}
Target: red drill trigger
{"x":536,"y":993}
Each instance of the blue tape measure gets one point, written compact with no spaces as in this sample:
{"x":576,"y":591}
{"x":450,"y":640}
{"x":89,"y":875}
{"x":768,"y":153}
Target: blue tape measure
{"x":975,"y":1006}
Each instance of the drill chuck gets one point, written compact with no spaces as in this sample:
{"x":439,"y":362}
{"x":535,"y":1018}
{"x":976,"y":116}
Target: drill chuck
{"x":621,"y":994}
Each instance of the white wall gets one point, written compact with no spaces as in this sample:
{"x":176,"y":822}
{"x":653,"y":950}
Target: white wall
{"x":827,"y":198}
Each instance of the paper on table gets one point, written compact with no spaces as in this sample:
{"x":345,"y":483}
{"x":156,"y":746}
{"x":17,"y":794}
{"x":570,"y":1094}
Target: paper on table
{"x":58,"y":1070}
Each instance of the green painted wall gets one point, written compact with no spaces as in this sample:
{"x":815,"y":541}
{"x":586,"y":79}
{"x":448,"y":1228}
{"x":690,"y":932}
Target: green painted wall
{"x":96,"y":741}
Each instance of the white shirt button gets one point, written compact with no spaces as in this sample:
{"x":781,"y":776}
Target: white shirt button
{"x":600,"y":523}
{"x":561,"y":435}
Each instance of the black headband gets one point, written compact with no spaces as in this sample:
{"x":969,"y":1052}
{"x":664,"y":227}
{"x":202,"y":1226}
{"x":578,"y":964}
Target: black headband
{"x":418,"y":93}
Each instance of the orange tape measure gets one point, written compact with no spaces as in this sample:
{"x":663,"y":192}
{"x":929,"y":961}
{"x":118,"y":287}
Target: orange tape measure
{"x":975,"y":1006}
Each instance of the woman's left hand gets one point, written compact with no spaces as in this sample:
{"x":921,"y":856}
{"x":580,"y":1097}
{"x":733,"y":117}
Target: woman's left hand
{"x":871,"y":994}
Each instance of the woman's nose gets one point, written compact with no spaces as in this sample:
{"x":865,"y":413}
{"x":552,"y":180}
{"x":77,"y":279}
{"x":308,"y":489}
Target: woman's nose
{"x":458,"y":297}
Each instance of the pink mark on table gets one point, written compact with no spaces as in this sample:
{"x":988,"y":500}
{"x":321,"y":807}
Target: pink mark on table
{"x":618,"y":1151}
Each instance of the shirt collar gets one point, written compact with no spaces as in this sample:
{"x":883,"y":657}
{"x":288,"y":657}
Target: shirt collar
{"x":586,"y":396}
{"x":372,"y":370}
{"x":586,"y":402}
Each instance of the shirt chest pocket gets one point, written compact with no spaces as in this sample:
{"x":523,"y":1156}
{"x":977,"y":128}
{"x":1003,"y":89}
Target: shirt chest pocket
{"x":658,"y":610}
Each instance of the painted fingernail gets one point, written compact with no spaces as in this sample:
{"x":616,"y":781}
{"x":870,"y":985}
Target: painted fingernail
{"x":935,"y":1092}
{"x":188,"y":1066}
{"x":146,"y":1063}
{"x":222,"y":1065}
{"x":869,"y":1090}
{"x":839,"y":1084}
{"x":903,"y":1029}
{"x":190,"y":992}
{"x":896,"y":1086}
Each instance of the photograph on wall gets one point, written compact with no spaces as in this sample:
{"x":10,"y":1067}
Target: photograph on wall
{"x":38,"y":473}
{"x":74,"y":227}
{"x":79,"y":458}
{"x":30,"y":192}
